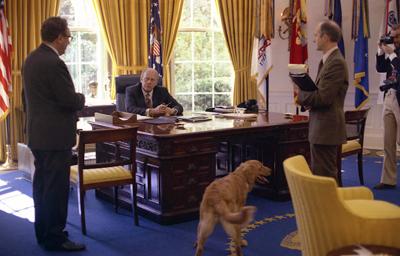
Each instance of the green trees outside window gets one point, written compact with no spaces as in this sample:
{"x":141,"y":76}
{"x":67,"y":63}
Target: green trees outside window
{"x":86,"y":57}
{"x":202,"y":70}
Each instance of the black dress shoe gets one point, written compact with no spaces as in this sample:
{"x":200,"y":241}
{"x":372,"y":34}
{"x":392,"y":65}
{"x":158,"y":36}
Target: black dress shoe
{"x":384,"y":186}
{"x":67,"y":245}
{"x":65,"y":232}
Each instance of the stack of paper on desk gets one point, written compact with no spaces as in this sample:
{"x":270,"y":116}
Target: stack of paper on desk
{"x":224,"y":109}
{"x":161,"y":120}
{"x":239,"y":116}
{"x":194,"y":118}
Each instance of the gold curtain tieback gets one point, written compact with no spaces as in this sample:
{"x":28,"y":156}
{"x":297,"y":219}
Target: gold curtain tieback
{"x":16,"y":72}
{"x":242,"y":69}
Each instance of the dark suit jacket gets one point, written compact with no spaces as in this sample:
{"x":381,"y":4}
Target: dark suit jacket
{"x":51,"y":101}
{"x":326,"y":121}
{"x":385,"y":65}
{"x":135,"y":102}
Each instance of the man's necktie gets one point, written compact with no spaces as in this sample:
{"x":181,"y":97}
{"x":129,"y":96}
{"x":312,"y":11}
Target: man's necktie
{"x":147,"y":100}
{"x":321,"y":63}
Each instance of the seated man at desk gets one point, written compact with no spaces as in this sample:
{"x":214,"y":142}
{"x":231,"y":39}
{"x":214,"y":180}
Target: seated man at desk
{"x":145,"y":98}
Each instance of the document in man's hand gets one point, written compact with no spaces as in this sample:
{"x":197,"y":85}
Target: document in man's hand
{"x":298,"y":74}
{"x":298,"y":69}
{"x":304,"y":82}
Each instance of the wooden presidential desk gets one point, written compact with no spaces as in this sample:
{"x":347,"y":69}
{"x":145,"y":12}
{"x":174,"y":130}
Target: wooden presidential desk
{"x":175,"y":164}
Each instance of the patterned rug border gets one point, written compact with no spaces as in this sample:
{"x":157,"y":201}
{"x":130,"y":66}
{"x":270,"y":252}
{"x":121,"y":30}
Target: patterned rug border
{"x":231,"y":248}
{"x":291,"y":241}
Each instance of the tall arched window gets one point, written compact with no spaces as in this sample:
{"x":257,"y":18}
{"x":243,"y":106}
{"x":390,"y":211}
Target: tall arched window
{"x":201,"y":66}
{"x":86,"y":56}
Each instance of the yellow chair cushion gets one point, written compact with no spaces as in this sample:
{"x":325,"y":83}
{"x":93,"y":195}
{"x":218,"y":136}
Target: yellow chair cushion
{"x":350,"y":146}
{"x":99,"y":175}
{"x":373,"y":209}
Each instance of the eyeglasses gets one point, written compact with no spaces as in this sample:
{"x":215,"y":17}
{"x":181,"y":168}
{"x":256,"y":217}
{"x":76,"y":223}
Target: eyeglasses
{"x":70,"y":38}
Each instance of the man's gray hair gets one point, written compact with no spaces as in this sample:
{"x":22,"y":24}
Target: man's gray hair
{"x":331,"y":29}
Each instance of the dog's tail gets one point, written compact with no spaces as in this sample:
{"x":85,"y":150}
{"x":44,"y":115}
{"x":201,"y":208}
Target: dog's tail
{"x":242,"y":217}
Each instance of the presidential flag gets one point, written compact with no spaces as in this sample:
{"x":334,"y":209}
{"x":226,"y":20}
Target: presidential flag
{"x":360,"y":35}
{"x":155,"y":33}
{"x":390,"y":17}
{"x":264,"y":66}
{"x":5,"y":64}
{"x":261,"y":59}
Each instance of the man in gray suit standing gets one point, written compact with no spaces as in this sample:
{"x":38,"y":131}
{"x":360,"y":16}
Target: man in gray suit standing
{"x":51,"y":104}
{"x":327,"y":130}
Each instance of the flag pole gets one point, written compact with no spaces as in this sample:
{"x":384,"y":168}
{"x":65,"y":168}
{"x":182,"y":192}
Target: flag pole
{"x":5,"y":66}
{"x":9,"y":163}
{"x":267,"y":94}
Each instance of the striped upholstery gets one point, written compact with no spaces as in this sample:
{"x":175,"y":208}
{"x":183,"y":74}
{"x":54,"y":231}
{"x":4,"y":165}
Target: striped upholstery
{"x":99,"y":175}
{"x":329,"y":217}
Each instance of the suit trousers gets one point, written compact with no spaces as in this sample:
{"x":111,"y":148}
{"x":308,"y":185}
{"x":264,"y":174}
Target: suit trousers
{"x":50,"y":195}
{"x":324,"y":160}
{"x":391,"y":121}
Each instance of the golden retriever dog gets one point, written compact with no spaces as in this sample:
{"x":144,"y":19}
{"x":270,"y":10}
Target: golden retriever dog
{"x":223,"y":201}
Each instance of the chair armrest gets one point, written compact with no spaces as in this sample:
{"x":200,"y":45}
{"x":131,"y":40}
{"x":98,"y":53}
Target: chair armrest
{"x":355,"y":193}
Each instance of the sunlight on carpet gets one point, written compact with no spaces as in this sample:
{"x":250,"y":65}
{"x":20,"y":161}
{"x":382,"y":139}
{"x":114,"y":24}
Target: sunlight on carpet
{"x":15,"y":202}
{"x":291,"y":241}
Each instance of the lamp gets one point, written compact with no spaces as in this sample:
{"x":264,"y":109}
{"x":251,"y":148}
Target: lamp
{"x":284,"y":28}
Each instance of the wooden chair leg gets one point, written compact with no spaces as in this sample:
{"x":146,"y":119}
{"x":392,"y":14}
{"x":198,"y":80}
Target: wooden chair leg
{"x":116,"y":198}
{"x":360,"y":167}
{"x":81,"y":204}
{"x":134,"y":204}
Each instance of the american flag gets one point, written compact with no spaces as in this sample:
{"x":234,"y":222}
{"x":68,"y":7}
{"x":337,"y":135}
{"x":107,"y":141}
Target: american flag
{"x":155,"y":51}
{"x":5,"y":64}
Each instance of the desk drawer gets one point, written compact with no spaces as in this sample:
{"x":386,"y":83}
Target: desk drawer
{"x":194,"y":146}
{"x":186,"y":181}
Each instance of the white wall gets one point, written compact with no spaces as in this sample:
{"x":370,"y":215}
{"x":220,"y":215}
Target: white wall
{"x":281,"y":99}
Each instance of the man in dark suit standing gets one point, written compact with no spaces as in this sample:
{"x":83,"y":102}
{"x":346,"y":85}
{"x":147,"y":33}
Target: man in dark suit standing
{"x":387,"y":60}
{"x":145,"y":98}
{"x":327,"y":130}
{"x":51,"y":104}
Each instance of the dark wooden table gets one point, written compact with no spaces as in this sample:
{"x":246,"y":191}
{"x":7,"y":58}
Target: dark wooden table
{"x":375,"y":249}
{"x":175,"y":164}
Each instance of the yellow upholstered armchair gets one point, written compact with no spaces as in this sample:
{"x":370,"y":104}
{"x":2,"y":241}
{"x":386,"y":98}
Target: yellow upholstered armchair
{"x":329,"y":217}
{"x":109,"y":172}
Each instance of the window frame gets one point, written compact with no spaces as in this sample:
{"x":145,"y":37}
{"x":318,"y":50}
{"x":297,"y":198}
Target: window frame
{"x":101,"y":61}
{"x":193,"y":61}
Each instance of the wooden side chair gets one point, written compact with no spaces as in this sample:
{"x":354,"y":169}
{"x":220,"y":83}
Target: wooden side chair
{"x":355,"y":126}
{"x":113,"y":173}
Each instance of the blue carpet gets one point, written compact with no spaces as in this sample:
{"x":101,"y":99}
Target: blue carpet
{"x":115,"y":234}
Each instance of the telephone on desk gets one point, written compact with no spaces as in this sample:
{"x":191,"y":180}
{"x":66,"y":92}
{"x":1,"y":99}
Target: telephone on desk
{"x":250,"y":106}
